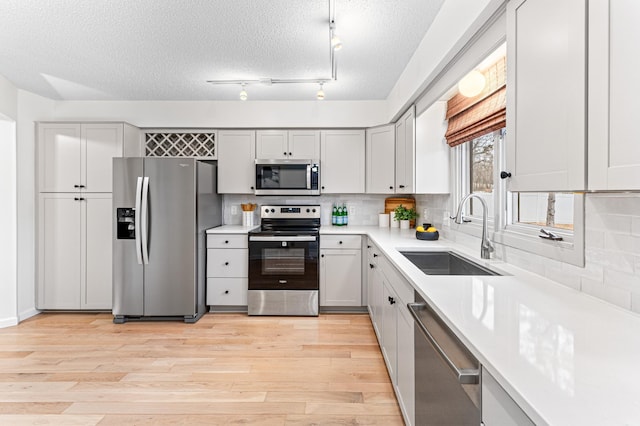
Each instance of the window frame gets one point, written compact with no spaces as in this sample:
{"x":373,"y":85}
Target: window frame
{"x":502,"y":231}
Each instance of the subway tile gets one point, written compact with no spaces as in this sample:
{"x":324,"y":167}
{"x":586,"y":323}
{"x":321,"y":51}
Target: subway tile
{"x":566,"y":278}
{"x":635,"y":225}
{"x":618,"y":242}
{"x":609,"y":223}
{"x":622,"y":280}
{"x":613,"y":295}
{"x":594,"y":238}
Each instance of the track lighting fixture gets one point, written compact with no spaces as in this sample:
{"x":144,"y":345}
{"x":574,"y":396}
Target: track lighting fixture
{"x":320,"y":93}
{"x":335,"y":45}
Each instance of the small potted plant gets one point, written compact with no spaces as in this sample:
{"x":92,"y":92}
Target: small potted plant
{"x":404,"y":216}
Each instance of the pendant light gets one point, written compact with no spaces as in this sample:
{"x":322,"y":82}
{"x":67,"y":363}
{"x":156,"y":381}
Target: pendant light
{"x":472,"y":84}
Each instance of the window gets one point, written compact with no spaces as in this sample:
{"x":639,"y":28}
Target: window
{"x":543,"y":209}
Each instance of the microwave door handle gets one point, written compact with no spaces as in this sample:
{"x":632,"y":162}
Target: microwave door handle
{"x":308,"y":176}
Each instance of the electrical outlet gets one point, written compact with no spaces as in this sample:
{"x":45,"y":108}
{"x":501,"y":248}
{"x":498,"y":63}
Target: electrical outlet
{"x":352,"y":210}
{"x":234,"y":209}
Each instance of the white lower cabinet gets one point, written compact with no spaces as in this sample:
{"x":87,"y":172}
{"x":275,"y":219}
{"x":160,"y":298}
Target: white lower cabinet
{"x":74,"y":251}
{"x":227,"y":270}
{"x":497,"y":406}
{"x":340,"y":270}
{"x":389,"y":294}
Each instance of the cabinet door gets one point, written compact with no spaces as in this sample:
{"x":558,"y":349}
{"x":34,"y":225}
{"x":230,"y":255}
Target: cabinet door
{"x":340,"y":278}
{"x":236,"y":161}
{"x":59,"y":155}
{"x":614,"y":151}
{"x":59,"y":251}
{"x":406,"y":365}
{"x":272,"y":144}
{"x":304,"y":144}
{"x":342,"y":161}
{"x":432,"y":151}
{"x":380,"y":168}
{"x":546,"y":100}
{"x":497,"y":406}
{"x":389,"y":329}
{"x":405,"y":153}
{"x":100,"y":144}
{"x":97,"y":221}
{"x":375,"y":293}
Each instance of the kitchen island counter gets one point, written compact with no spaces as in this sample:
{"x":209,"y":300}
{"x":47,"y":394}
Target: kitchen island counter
{"x":565,"y":357}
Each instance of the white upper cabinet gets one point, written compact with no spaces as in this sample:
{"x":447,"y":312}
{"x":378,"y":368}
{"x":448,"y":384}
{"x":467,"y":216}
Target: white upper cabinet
{"x":78,"y":156}
{"x":236,"y":161}
{"x":405,"y":152}
{"x":304,"y":144}
{"x":614,"y":149}
{"x":292,"y":144}
{"x":342,"y":161}
{"x":432,"y":151}
{"x":380,"y":152}
{"x":546,"y":96}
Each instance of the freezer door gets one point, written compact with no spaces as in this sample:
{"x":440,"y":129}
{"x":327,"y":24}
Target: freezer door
{"x":128,"y":290}
{"x":170,"y":275}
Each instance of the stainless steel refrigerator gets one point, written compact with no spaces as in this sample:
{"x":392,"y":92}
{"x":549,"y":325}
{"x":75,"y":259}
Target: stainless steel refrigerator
{"x":161,"y":209}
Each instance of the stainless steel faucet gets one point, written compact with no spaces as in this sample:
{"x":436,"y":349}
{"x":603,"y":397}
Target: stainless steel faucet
{"x":486,"y":247}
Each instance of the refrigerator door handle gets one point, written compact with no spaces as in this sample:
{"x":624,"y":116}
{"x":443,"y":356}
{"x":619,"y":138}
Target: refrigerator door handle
{"x":136,"y":219}
{"x":144,"y":225}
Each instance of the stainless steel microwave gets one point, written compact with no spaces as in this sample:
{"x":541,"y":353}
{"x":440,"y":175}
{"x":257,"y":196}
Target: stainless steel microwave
{"x":287,"y":177}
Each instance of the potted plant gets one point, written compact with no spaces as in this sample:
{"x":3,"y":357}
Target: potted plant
{"x":404,"y":215}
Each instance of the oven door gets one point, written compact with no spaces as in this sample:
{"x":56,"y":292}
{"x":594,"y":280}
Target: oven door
{"x":283,"y":262}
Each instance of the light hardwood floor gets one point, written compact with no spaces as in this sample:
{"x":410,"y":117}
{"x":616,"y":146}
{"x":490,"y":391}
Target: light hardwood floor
{"x":81,"y":369}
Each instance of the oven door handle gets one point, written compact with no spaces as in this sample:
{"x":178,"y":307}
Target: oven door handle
{"x":274,"y":238}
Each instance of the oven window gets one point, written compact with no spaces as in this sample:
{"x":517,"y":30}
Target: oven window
{"x":283,"y":261}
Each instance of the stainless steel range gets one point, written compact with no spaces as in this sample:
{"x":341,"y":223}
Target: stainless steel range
{"x":283,"y":261}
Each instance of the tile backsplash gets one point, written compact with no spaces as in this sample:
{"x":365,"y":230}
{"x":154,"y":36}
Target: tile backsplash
{"x":363,"y":208}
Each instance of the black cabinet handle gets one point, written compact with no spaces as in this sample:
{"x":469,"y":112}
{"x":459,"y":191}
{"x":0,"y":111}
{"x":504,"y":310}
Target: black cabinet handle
{"x":78,"y":186}
{"x":504,"y":175}
{"x":78,"y":198}
{"x":401,"y":186}
{"x":391,"y":300}
{"x":371,"y":266}
{"x":226,"y":263}
{"x":375,"y":255}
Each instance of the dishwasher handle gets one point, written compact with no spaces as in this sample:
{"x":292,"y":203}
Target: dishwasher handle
{"x":465,"y":376}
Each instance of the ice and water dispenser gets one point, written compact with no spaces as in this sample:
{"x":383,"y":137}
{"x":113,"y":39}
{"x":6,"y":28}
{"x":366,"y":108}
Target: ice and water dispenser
{"x":126,"y":223}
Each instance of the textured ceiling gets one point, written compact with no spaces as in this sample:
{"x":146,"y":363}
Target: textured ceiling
{"x":167,"y":49}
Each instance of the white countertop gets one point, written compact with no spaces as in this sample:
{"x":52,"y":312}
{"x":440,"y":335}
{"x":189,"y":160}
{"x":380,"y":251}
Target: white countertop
{"x":565,"y":357}
{"x":231,"y":229}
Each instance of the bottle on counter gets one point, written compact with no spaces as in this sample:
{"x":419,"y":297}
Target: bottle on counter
{"x":345,"y":212}
{"x":334,"y":215}
{"x":339,"y":218}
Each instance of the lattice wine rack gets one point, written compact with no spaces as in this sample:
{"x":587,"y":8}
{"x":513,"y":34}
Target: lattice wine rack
{"x":163,"y":144}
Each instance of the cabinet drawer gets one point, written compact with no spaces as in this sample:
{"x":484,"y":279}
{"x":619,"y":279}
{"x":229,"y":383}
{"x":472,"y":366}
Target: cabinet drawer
{"x":227,"y":291}
{"x":340,"y":241}
{"x":228,"y":263}
{"x":227,"y":241}
{"x":401,"y":286}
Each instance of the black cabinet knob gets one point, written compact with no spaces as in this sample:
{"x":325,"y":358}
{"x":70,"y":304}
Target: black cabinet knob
{"x":226,"y":241}
{"x":340,"y":242}
{"x":391,"y":300}
{"x":290,"y":154}
{"x":226,"y":263}
{"x":504,"y":175}
{"x":285,"y":154}
{"x":391,"y":187}
{"x":323,"y":187}
{"x":322,"y":255}
{"x":226,"y":292}
{"x":371,"y":265}
{"x":368,"y":246}
{"x":375,"y":255}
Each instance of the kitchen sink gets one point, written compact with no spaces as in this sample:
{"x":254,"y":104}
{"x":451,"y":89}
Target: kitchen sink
{"x":445,"y":263}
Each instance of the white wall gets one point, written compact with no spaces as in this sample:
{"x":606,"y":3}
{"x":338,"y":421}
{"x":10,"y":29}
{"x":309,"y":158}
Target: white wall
{"x":228,"y":114}
{"x":8,"y":242}
{"x":31,"y":108}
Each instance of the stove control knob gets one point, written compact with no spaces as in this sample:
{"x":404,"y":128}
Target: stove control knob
{"x":266,"y":210}
{"x":314,"y":210}
{"x":273,"y":210}
{"x":308,"y":210}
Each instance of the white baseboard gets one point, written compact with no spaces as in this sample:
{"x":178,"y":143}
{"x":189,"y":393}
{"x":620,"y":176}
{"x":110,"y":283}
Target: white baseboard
{"x":8,"y":322}
{"x":27,"y":314}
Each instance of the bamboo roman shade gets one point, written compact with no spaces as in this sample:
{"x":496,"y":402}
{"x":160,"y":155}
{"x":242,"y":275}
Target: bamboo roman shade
{"x":481,"y":114}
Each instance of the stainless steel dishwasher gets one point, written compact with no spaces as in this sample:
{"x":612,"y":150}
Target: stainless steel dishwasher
{"x":447,"y":375}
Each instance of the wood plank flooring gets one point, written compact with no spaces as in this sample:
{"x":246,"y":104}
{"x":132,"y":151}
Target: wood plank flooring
{"x":81,"y":369}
